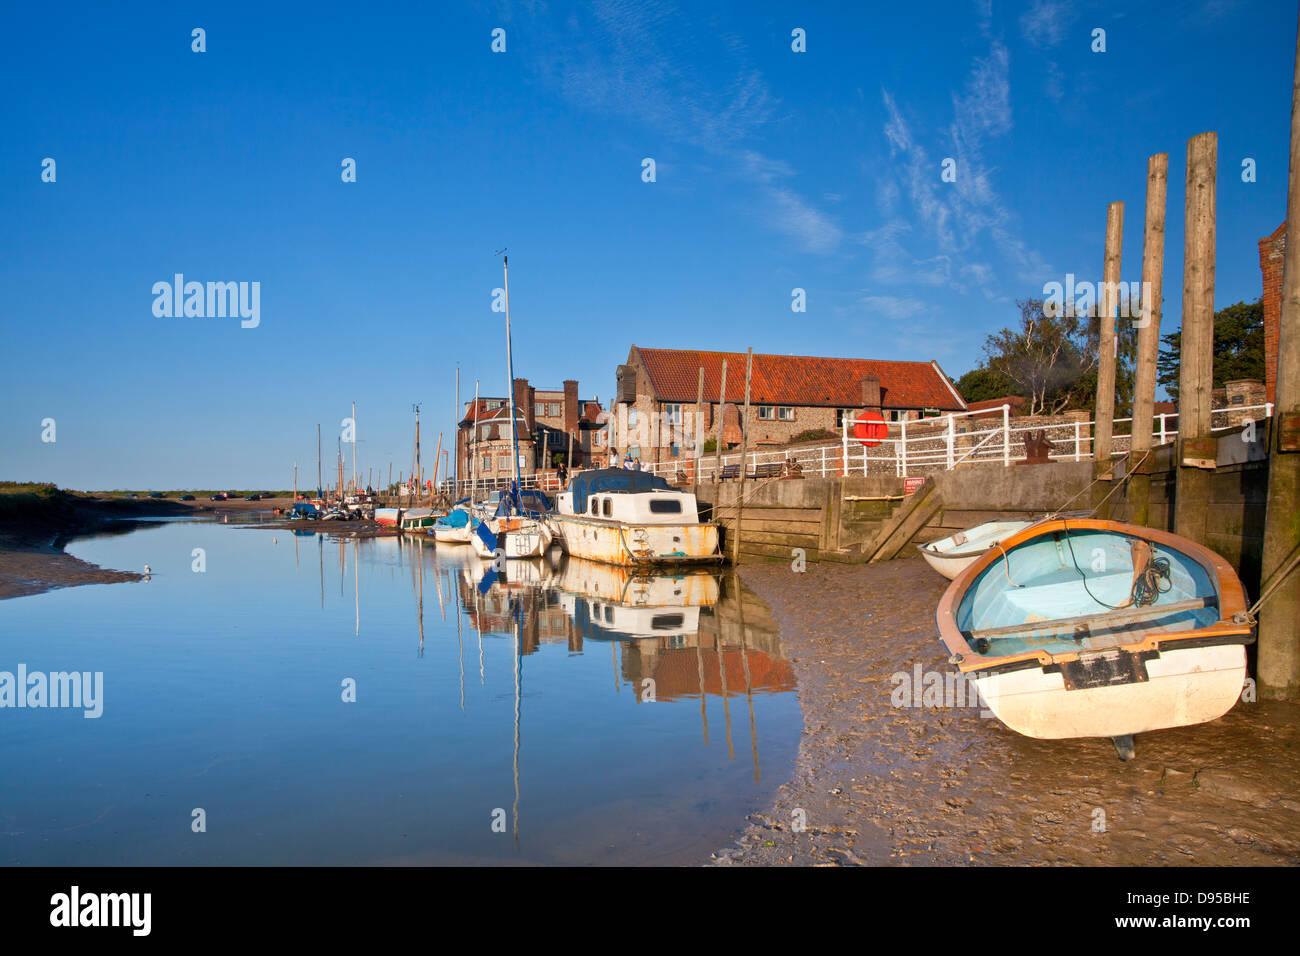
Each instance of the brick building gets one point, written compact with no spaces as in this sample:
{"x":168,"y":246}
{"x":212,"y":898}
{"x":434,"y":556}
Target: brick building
{"x":655,"y":418}
{"x":1272,"y":250}
{"x":545,"y":418}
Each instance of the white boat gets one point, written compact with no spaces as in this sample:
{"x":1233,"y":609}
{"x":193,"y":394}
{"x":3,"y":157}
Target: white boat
{"x":387,"y":517}
{"x":455,"y":527}
{"x":952,"y":555}
{"x":1080,"y":627}
{"x":632,"y":518}
{"x":511,"y":537}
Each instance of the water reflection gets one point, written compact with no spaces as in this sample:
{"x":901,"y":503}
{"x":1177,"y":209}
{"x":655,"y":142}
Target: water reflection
{"x":595,"y":722}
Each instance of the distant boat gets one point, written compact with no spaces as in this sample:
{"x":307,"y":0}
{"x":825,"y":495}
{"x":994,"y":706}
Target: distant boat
{"x":387,"y":517}
{"x":418,"y":520}
{"x":632,"y":518}
{"x":1080,"y":627}
{"x":954,"y":554}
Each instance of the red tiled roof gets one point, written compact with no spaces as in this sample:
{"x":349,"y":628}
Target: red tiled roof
{"x":797,"y":379}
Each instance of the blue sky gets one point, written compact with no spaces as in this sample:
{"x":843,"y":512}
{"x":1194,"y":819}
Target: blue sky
{"x":774,"y":170}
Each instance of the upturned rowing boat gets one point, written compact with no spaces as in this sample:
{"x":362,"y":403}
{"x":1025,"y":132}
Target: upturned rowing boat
{"x":1080,"y":627}
{"x":954,"y":554}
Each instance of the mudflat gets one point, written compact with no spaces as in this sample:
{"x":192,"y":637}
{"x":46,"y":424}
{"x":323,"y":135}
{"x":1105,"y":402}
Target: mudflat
{"x":876,"y":783}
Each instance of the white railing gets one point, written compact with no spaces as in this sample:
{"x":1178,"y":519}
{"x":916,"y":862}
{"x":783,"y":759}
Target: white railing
{"x":909,"y":448}
{"x":930,"y":444}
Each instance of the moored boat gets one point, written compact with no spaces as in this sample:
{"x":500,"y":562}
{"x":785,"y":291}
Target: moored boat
{"x":455,"y":527}
{"x":1081,"y":627}
{"x":632,"y":518}
{"x":418,"y":520}
{"x":955,"y":553}
{"x":387,"y":517}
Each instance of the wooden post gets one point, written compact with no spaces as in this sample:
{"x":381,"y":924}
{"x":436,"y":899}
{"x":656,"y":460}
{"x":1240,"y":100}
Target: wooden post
{"x":1279,"y":639}
{"x":699,"y":428}
{"x":1148,"y":342}
{"x":744,"y":445}
{"x":1107,"y":305}
{"x":722,"y":417}
{"x":1195,"y":450}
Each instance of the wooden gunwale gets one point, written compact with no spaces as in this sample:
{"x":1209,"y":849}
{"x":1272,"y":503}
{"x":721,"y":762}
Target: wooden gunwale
{"x":1232,"y":599}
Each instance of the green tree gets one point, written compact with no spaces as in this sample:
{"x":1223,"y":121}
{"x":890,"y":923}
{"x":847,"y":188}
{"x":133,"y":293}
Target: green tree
{"x":982,"y":383}
{"x":1048,"y":357}
{"x":1238,"y":347}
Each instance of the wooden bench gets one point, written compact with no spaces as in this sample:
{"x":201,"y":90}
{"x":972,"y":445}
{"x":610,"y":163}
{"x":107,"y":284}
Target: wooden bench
{"x":730,"y":471}
{"x":770,"y":470}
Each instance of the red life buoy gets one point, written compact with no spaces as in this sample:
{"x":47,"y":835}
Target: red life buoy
{"x":870,"y":429}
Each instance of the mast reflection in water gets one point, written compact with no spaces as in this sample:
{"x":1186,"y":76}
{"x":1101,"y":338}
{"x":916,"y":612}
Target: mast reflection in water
{"x":558,"y":712}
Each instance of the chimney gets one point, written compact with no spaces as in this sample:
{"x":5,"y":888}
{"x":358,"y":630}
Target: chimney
{"x":571,"y":409}
{"x":1271,"y":252}
{"x":870,"y":393}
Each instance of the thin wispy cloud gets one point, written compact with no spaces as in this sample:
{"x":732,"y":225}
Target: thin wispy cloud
{"x":1045,"y":23}
{"x":966,"y":220}
{"x":632,"y":58}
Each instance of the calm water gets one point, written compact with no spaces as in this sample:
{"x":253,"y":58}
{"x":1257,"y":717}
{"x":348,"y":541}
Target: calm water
{"x":522,"y":701}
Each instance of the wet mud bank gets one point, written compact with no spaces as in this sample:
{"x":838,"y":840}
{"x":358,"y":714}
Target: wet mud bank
{"x":880,"y":784}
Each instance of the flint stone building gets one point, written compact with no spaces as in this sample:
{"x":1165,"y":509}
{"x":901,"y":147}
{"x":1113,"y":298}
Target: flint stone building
{"x":655,"y":416}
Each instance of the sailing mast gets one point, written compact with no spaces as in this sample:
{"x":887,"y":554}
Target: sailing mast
{"x":473,"y":445}
{"x":318,"y":472}
{"x":455,"y":475}
{"x":354,"y":447}
{"x":510,"y":376}
{"x":419,"y":472}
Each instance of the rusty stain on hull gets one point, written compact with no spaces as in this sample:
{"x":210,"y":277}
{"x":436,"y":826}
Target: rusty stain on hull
{"x":635,"y":545}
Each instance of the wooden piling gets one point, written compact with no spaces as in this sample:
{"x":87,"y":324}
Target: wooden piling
{"x":1195,"y":452}
{"x":1108,"y":306}
{"x":744,"y":447}
{"x":722,"y":416}
{"x":1279,"y":638}
{"x":1148,"y":341}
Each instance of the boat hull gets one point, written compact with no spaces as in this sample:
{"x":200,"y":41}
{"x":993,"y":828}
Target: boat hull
{"x":1048,"y":629}
{"x":631,"y":545}
{"x":952,"y":555}
{"x":1183,"y":687}
{"x":387,"y":517}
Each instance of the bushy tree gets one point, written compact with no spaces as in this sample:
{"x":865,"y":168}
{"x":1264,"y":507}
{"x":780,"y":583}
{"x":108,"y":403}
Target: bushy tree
{"x":1238,"y":347}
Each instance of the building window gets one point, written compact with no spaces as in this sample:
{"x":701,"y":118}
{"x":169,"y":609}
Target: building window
{"x":673,"y":414}
{"x":522,"y":463}
{"x":553,"y":409}
{"x":896,"y":415}
{"x":674,"y":450}
{"x":503,"y":463}
{"x":766,"y":413}
{"x":635,"y":452}
{"x":785,"y":413}
{"x":487,"y":462}
{"x":539,"y":409}
{"x":631,"y":418}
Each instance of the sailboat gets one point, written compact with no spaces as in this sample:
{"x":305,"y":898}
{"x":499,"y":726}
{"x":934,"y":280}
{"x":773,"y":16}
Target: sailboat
{"x":514,"y":532}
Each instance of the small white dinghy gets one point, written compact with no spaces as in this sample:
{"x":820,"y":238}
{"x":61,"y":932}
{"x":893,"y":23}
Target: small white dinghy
{"x":952,"y":555}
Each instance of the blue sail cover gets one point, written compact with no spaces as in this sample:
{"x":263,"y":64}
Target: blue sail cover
{"x":532,"y":503}
{"x":457,"y":518}
{"x":612,"y":479}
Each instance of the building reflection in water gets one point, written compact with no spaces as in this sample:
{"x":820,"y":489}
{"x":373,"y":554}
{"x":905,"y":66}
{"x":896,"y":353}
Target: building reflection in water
{"x":684,"y":635}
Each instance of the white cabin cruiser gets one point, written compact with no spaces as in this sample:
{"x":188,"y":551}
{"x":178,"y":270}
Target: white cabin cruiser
{"x":632,"y":518}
